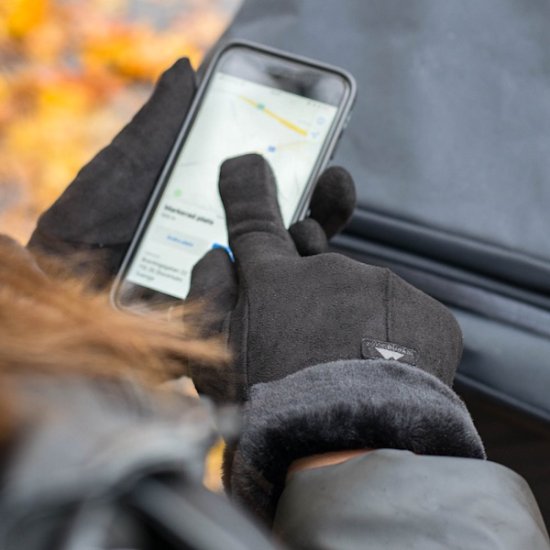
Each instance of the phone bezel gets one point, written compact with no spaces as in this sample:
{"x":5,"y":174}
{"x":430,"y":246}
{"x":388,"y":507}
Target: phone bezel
{"x":339,"y":124}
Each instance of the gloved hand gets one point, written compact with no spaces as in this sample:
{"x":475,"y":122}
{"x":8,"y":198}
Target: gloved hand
{"x":329,"y":354}
{"x":283,"y":312}
{"x":214,"y":279}
{"x":93,"y":221}
{"x":99,"y":211}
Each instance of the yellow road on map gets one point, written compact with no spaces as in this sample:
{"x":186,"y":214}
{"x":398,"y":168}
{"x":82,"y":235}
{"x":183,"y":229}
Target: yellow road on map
{"x":277,"y":117}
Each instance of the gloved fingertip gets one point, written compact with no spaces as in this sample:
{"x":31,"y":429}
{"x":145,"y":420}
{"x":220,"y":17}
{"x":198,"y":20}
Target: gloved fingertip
{"x":237,"y":170}
{"x":309,"y":237}
{"x":254,"y":222}
{"x":148,"y":137}
{"x":180,"y":70}
{"x":239,"y":177}
{"x":333,"y":200}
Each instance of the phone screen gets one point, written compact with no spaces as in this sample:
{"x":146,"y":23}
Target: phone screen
{"x":240,"y":113}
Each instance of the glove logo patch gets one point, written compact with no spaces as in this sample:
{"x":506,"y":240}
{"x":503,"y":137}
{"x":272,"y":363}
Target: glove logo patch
{"x":376,"y":349}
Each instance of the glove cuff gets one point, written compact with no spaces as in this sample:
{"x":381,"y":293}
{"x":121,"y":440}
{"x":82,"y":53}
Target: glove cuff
{"x":343,"y":405}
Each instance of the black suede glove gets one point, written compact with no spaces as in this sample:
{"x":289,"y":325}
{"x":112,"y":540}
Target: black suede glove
{"x":289,"y":312}
{"x":214,"y":280}
{"x":99,"y":212}
{"x":330,"y":354}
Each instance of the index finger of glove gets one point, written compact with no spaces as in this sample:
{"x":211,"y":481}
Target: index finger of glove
{"x":254,"y":222}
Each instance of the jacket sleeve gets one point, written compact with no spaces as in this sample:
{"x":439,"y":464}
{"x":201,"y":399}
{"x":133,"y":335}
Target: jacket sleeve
{"x":395,"y":499}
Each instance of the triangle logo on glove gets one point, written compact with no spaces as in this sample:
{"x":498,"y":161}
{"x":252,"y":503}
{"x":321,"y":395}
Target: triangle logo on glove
{"x":377,"y":349}
{"x":387,"y":354}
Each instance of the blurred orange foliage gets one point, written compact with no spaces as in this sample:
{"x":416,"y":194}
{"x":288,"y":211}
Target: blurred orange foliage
{"x":71,"y":73}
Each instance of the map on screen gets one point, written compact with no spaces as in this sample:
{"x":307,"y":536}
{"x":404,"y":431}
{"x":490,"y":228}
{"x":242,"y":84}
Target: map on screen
{"x":236,"y":117}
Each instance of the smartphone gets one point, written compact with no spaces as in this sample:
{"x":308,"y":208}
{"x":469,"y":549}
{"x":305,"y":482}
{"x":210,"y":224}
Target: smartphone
{"x":252,"y":98}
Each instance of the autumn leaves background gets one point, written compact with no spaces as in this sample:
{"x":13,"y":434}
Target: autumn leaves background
{"x":72,"y":72}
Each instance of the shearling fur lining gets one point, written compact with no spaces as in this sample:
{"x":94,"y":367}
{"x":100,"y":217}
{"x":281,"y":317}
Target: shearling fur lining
{"x":347,"y":405}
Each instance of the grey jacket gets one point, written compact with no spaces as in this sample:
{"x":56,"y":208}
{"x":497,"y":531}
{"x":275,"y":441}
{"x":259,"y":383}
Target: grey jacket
{"x":392,"y":499}
{"x":110,"y":466}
